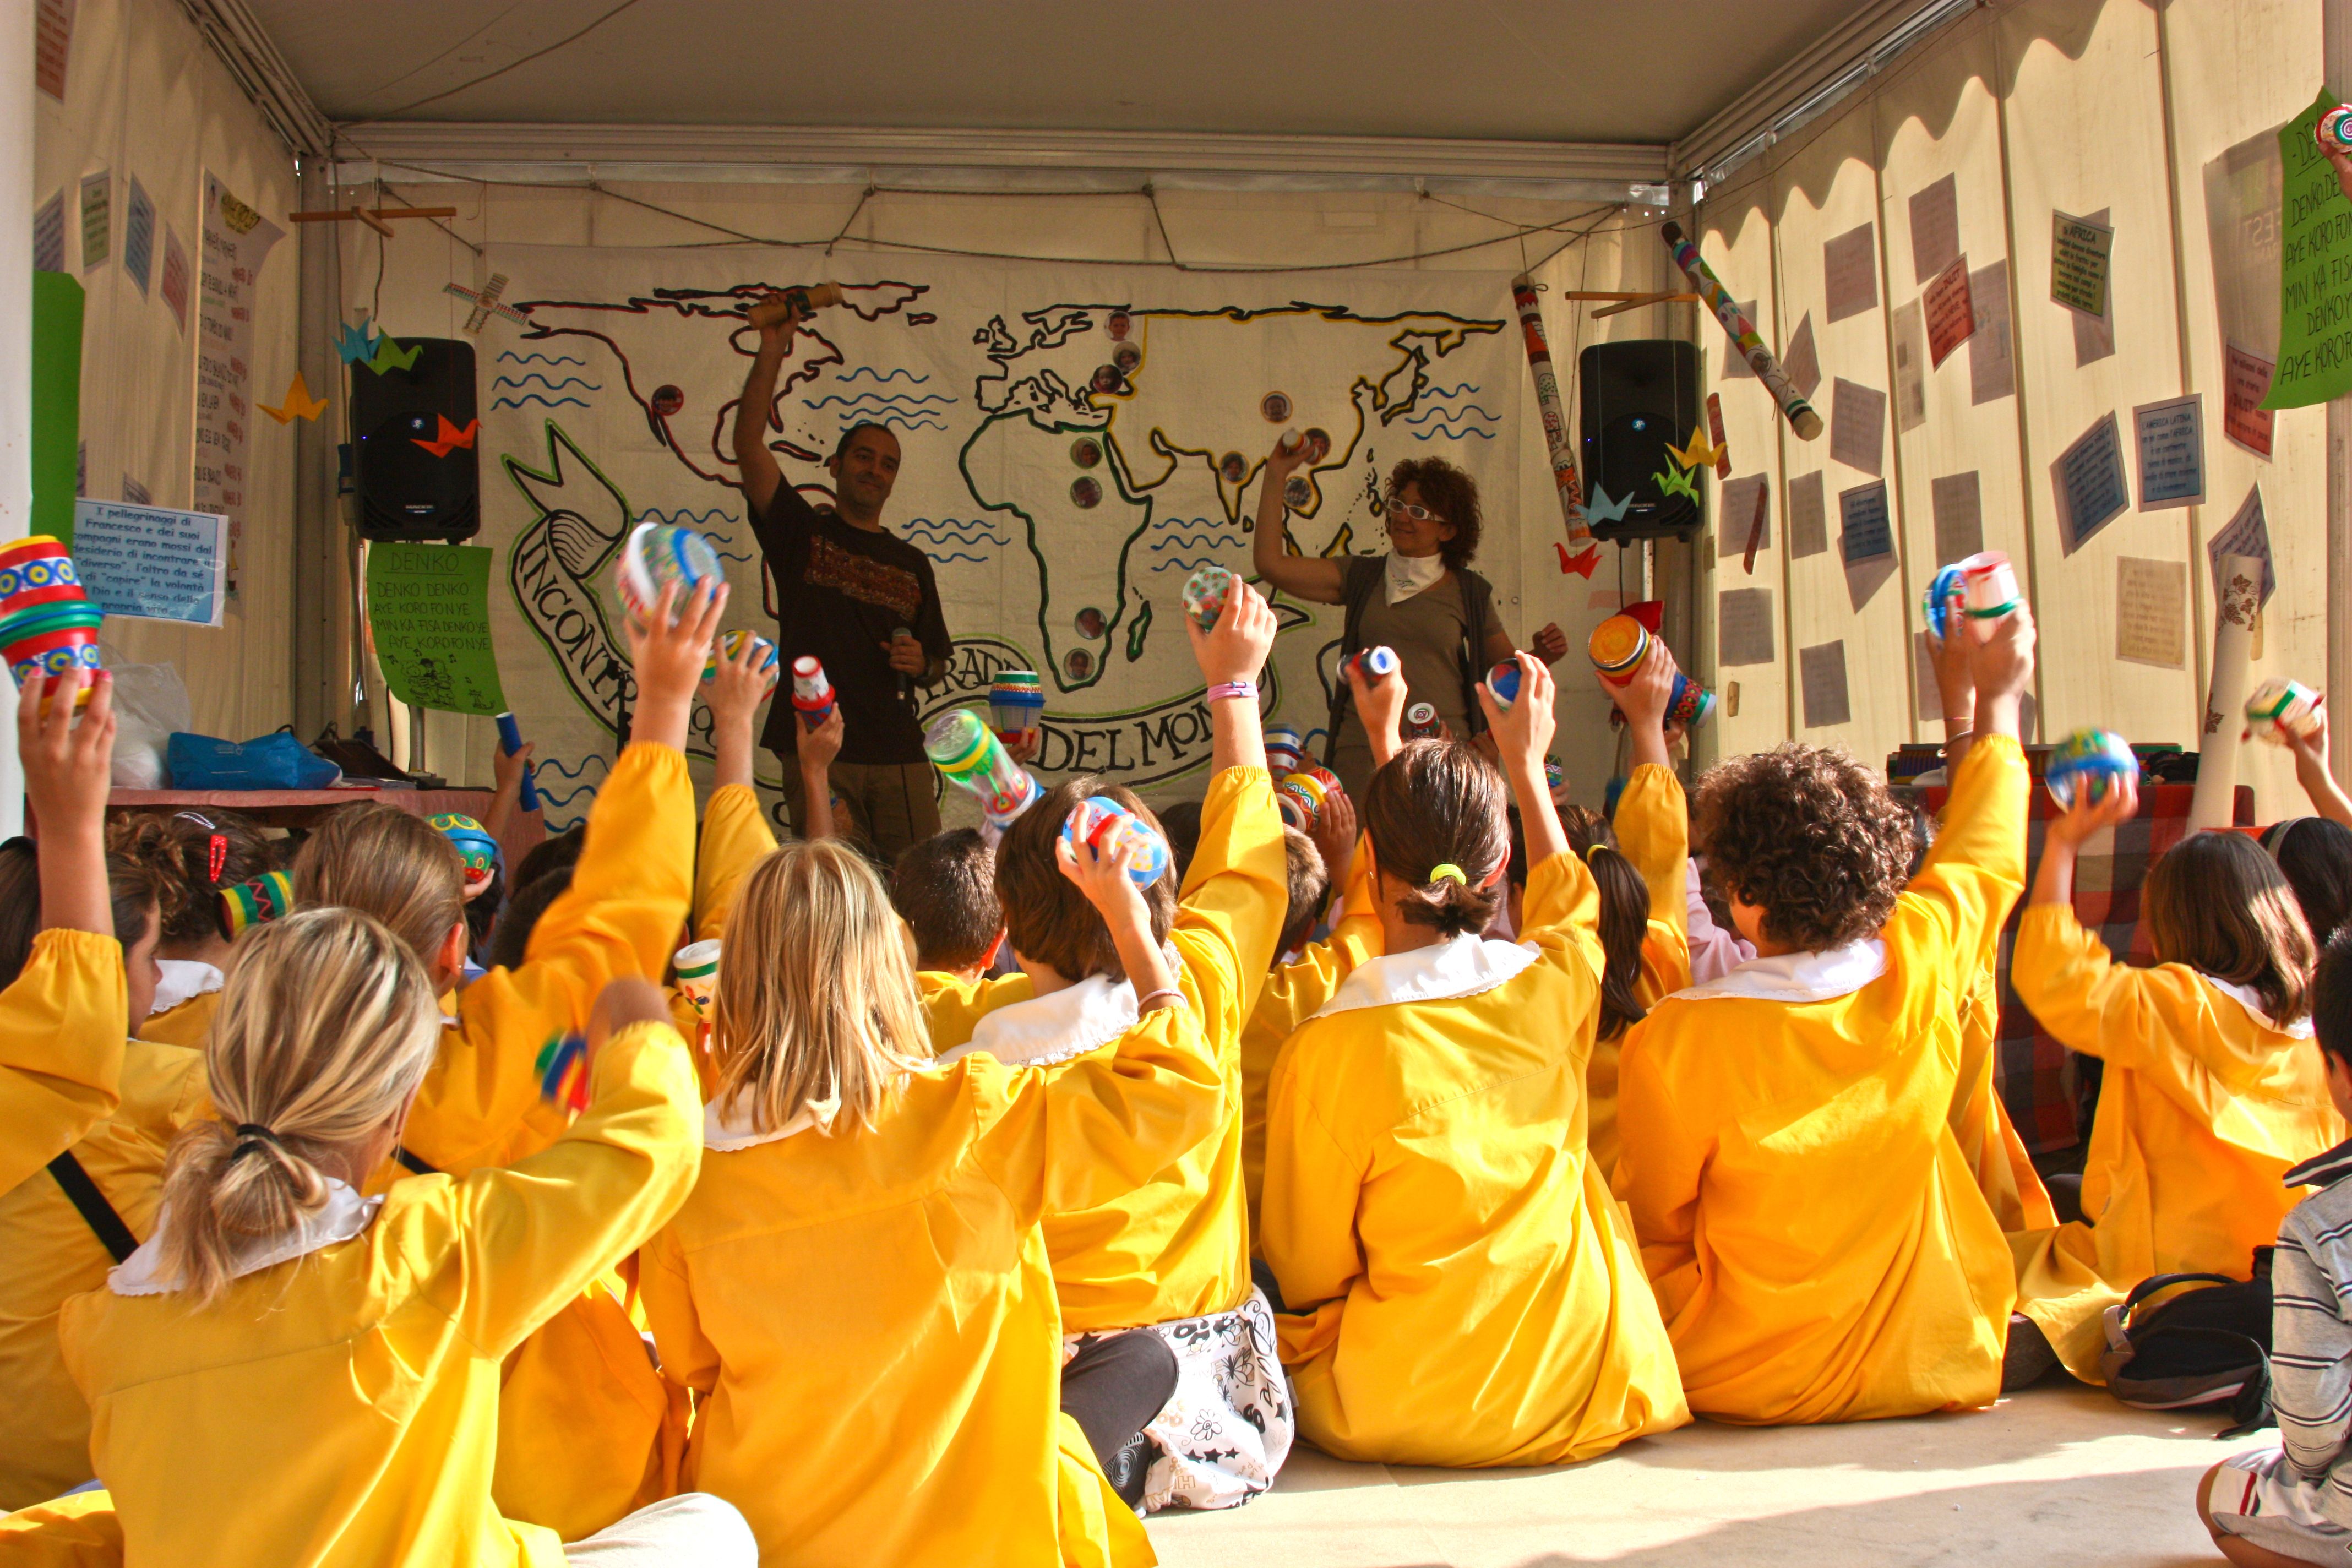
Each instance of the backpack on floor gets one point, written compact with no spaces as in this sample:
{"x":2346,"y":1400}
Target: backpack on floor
{"x":2202,"y":1349}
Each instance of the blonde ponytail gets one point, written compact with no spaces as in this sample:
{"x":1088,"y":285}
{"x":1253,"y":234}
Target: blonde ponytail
{"x":325,"y":1026}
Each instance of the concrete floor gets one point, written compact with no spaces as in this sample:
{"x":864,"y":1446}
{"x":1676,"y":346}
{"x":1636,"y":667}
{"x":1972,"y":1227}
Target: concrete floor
{"x":2059,"y":1477}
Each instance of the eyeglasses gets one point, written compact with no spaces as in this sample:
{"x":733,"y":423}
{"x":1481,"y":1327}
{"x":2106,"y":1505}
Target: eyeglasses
{"x":1418,"y":513}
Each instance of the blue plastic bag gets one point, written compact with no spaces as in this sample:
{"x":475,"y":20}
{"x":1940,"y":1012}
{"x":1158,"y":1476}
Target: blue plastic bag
{"x":276,"y":760}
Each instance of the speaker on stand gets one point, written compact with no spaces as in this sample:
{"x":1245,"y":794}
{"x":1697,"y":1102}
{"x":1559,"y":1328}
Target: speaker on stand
{"x":1637,"y":397}
{"x":416,"y":466}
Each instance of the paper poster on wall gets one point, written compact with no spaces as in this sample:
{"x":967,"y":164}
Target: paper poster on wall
{"x":1821,"y":683}
{"x":2152,"y":611}
{"x":429,"y":616}
{"x":2170,"y":438}
{"x":1935,"y":228}
{"x":138,"y":236}
{"x":1802,"y":362}
{"x":1910,"y":368}
{"x":1743,"y":626}
{"x":1809,"y":528}
{"x":49,"y":234}
{"x":1858,"y":425}
{"x":1992,"y":364}
{"x":53,"y":23}
{"x":1926,"y":691}
{"x":1959,"y":516}
{"x":1741,"y":520}
{"x":2091,"y":487}
{"x":2247,"y":534}
{"x":1951,"y":317}
{"x":1850,"y":273}
{"x":97,"y":218}
{"x":2246,"y":382}
{"x":152,"y":564}
{"x":237,"y":241}
{"x":1735,"y":366}
{"x":2242,"y":235}
{"x":172,"y":286}
{"x":2314,"y":342}
{"x":2079,"y":252}
{"x":1865,"y":530}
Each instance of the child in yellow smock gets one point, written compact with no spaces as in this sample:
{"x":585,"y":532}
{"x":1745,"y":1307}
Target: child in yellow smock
{"x":287,"y":1372}
{"x":1458,"y":1285}
{"x":2214,"y":1089}
{"x":483,"y":1101}
{"x":857,"y":1290}
{"x":1818,"y":1247}
{"x":200,"y":853}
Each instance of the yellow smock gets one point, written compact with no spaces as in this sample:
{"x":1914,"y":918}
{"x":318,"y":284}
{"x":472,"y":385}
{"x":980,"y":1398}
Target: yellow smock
{"x":1819,"y":1247}
{"x":586,"y":1372}
{"x":189,"y":1024}
{"x":869,"y":1315}
{"x":343,"y":1407}
{"x":51,"y":1253}
{"x":954,"y":1006}
{"x":76,"y":1532}
{"x":1461,"y":1288}
{"x":1996,"y":1156}
{"x":735,"y":837}
{"x":1652,"y":827}
{"x":2204,"y":1108}
{"x":63,"y":1021}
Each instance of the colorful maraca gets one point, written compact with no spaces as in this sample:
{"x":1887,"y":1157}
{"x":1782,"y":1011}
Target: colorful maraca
{"x":811,"y":693}
{"x":2335,"y":129}
{"x":1422,"y":723}
{"x":1104,"y":823}
{"x":2280,"y":708}
{"x":257,"y":902}
{"x":1300,"y":796}
{"x":658,"y":554}
{"x":1283,"y":749}
{"x":1373,"y":664}
{"x":47,"y":624}
{"x":968,"y":751}
{"x":1016,"y":702}
{"x":2089,"y":763}
{"x":476,"y":849}
{"x":697,"y":964}
{"x":1205,"y":592}
{"x":1503,"y":683}
{"x":1617,"y":646}
{"x":1690,"y":704}
{"x":1987,"y":587}
{"x":729,"y":645}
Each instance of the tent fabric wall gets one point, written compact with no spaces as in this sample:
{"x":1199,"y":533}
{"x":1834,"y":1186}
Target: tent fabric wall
{"x":402,"y":284}
{"x":2030,"y":105}
{"x":145,"y":98}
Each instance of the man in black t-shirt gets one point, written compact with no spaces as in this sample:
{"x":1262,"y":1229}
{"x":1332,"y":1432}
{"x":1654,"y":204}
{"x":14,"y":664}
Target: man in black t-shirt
{"x":858,"y":597}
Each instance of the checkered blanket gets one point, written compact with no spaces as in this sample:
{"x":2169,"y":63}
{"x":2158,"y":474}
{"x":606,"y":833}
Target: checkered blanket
{"x":2050,"y":1091}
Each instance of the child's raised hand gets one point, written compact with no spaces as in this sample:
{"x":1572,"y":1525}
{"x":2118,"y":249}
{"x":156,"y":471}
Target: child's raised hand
{"x":1334,"y":834}
{"x":2310,"y":750}
{"x":1953,"y":661}
{"x":668,"y":657}
{"x":2087,"y":817}
{"x":738,"y":687}
{"x":507,"y":769}
{"x":68,"y":767}
{"x":1644,"y":697}
{"x":818,"y":747}
{"x":1523,"y":732}
{"x":1380,"y":704}
{"x":1100,"y":872}
{"x":2003,"y":666}
{"x":1236,"y":649}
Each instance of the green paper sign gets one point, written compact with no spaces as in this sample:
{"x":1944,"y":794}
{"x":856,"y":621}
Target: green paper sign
{"x":57,"y":402}
{"x":2314,"y":357}
{"x":429,"y":608}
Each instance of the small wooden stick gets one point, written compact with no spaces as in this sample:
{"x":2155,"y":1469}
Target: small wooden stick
{"x":1639,"y":301}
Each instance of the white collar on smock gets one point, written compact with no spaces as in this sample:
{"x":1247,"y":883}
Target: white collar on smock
{"x":343,"y":1216}
{"x":1055,"y":1026}
{"x":183,"y":979}
{"x":1821,"y":977}
{"x":1460,"y":966}
{"x":2250,"y":1000}
{"x":729,"y":1127}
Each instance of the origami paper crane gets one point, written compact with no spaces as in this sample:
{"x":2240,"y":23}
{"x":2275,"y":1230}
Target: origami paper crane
{"x":1599,"y":508}
{"x":1581,"y":562}
{"x":356,"y":345}
{"x":1700,"y":453}
{"x":390,"y":356}
{"x":297,"y":403}
{"x":448,"y":437}
{"x":1674,"y":481}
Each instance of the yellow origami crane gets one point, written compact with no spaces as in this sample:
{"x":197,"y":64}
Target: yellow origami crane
{"x":1699,"y":454}
{"x":299,"y":404}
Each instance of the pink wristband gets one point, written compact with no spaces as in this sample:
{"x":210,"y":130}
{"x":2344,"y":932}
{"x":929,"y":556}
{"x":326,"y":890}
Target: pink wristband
{"x":1240,"y":691}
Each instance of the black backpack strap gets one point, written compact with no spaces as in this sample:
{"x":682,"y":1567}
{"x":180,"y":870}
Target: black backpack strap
{"x":1477,"y":602}
{"x":2155,"y":1282}
{"x":95,"y":1211}
{"x":411,"y":1164}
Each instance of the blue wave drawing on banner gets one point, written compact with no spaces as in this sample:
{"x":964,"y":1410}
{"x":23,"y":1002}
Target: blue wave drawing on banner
{"x":921,"y":422}
{"x":1467,"y":409}
{"x":543,"y":402}
{"x":878,"y":376}
{"x":519,"y":381}
{"x":1448,"y":391}
{"x":553,"y":764}
{"x":1217,"y":525}
{"x":895,"y":401}
{"x":565,"y":797}
{"x":954,"y":531}
{"x":506,"y":355}
{"x":1188,"y":541}
{"x":1181,"y":563}
{"x":1465,"y":433}
{"x":956,"y":555}
{"x":684,"y":518}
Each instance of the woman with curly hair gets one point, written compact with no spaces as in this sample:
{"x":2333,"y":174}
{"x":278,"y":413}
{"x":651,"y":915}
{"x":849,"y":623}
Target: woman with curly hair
{"x":1819,"y":1247}
{"x":1421,"y":598}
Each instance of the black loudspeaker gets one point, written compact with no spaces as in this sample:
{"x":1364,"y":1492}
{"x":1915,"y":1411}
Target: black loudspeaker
{"x":1638,"y":397}
{"x":416,"y":470}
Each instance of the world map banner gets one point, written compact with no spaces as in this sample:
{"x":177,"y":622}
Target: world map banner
{"x":1076,"y":441}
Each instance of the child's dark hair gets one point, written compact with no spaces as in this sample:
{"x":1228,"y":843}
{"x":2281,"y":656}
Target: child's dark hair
{"x":559,"y":853}
{"x":1439,"y":802}
{"x":2314,"y":856}
{"x":511,"y":937}
{"x":945,"y":890}
{"x":1811,"y":837}
{"x":181,"y":848}
{"x":482,"y":910}
{"x":2331,"y":999}
{"x":2214,"y":902}
{"x":1625,"y":916}
{"x":1181,"y":823}
{"x":20,"y":906}
{"x":1309,"y":880}
{"x":1049,"y":919}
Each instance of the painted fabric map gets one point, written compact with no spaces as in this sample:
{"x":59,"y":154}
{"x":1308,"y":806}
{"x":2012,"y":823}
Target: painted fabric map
{"x":1076,"y":442}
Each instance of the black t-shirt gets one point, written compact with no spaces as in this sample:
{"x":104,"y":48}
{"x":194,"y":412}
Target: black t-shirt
{"x":841,"y":591}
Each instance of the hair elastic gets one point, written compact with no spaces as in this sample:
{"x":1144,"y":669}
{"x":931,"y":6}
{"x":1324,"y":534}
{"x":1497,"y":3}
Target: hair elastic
{"x":1448,"y":872}
{"x":253,"y":1135}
